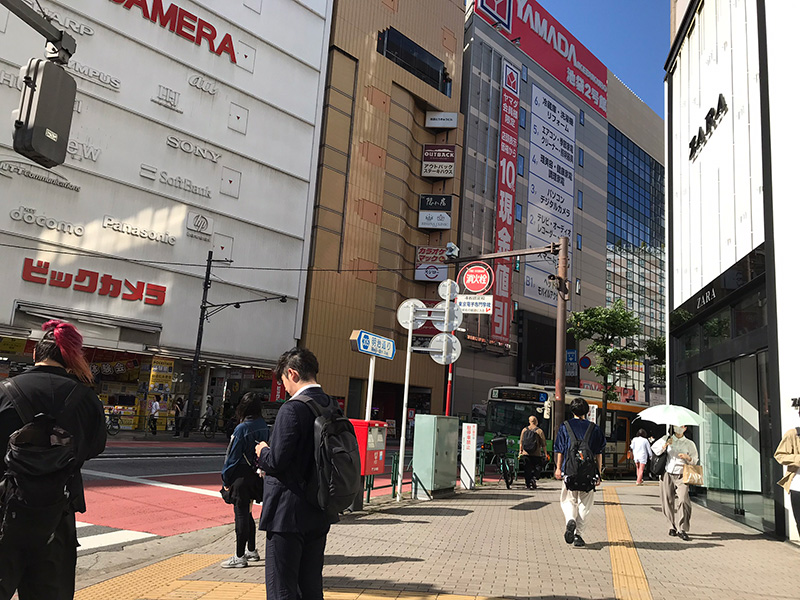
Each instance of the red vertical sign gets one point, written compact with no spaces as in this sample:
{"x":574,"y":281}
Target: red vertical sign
{"x":506,"y":202}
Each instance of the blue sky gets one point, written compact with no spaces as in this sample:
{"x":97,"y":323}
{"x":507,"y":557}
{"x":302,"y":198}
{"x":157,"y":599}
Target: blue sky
{"x":631,"y":37}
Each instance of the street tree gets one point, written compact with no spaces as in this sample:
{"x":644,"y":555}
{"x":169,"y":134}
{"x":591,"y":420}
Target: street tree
{"x":610,"y":331}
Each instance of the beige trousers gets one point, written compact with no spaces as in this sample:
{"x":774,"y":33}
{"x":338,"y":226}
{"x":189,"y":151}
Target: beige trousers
{"x":675,"y":502}
{"x":576,"y":505}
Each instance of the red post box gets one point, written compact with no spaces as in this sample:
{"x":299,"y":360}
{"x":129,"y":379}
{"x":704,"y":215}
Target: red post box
{"x":371,"y":437}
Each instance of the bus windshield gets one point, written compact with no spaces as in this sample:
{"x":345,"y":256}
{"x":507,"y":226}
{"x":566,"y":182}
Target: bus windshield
{"x":507,"y":417}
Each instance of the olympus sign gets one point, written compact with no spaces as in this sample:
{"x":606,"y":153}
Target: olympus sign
{"x":95,"y":76}
{"x":29,"y":216}
{"x":191,"y":148}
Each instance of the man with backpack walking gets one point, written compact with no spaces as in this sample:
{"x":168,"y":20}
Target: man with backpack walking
{"x":298,"y":509}
{"x":579,"y":449}
{"x":531,"y":447}
{"x":50,"y":424}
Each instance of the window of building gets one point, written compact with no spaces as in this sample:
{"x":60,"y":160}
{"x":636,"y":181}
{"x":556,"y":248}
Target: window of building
{"x":518,"y":212}
{"x":577,"y":286}
{"x":523,"y":117}
{"x":580,"y":157}
{"x":517,"y":262}
{"x":520,"y":165}
{"x":580,"y":199}
{"x":578,"y":241}
{"x":582,"y":117}
{"x":415,"y":59}
{"x":524,"y":73}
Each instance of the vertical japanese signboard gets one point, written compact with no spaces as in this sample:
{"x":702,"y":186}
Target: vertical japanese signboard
{"x":551,"y":187}
{"x":506,"y":203}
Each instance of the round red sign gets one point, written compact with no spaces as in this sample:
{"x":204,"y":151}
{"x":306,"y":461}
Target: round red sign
{"x":476,"y":278}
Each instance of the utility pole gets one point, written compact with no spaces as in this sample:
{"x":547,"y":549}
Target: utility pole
{"x":561,"y":334}
{"x":187,"y":421}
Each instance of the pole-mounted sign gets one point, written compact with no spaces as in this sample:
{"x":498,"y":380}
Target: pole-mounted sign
{"x":375,"y":346}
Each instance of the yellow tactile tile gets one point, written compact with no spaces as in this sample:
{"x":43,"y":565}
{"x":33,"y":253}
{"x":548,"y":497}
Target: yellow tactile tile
{"x":630,"y":581}
{"x":142,"y":583}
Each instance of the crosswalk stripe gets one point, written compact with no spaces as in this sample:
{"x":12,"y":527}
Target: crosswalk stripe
{"x":111,"y":538}
{"x":161,"y":484}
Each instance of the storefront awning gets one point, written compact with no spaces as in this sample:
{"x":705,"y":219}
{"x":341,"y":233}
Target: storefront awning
{"x":15,"y":332}
{"x":211,"y":358}
{"x":43,"y":311}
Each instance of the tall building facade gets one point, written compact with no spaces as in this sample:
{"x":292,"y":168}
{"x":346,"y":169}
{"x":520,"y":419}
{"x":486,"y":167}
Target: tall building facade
{"x":388,"y":196}
{"x":589,"y":156}
{"x":635,"y":265}
{"x":731,"y":224}
{"x":195,"y":129}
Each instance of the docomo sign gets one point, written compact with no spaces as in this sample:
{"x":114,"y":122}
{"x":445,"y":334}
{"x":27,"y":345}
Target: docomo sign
{"x":183,"y":23}
{"x":476,"y":277}
{"x":548,"y":42}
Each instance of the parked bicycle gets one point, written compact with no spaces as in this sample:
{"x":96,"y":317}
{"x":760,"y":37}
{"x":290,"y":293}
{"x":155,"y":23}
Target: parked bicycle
{"x":505,"y":463}
{"x":112,"y":422}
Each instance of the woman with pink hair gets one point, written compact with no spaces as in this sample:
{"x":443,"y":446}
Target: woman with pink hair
{"x":56,"y":385}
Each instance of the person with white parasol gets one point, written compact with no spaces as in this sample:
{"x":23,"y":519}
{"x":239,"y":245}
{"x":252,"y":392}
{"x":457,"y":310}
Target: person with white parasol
{"x":681,"y":456}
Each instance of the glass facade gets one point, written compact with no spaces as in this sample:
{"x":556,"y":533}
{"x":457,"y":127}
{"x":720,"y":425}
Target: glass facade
{"x":635,"y":261}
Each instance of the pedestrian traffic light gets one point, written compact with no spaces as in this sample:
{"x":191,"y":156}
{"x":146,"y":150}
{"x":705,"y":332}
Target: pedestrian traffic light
{"x":44,"y":117}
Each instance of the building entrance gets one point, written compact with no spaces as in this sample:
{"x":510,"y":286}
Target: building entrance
{"x":735,"y":441}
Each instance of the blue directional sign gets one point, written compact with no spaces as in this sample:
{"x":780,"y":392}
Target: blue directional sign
{"x":572,"y":356}
{"x":374,"y":345}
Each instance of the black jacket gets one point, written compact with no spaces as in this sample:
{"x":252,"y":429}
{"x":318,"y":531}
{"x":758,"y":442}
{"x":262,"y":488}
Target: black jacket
{"x":288,"y":464}
{"x":84,"y":418}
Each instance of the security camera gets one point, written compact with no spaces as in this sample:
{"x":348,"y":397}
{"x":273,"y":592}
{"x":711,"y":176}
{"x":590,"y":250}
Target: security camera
{"x":237,"y":305}
{"x":551,"y":277}
{"x":283,"y":299}
{"x":451,"y":251}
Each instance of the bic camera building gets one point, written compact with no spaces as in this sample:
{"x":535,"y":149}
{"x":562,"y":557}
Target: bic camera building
{"x":732,"y":228}
{"x":585,"y":157}
{"x":194,"y":129}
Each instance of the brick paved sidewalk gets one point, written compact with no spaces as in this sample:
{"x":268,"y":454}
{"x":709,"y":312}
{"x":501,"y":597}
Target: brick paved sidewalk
{"x":502,"y":543}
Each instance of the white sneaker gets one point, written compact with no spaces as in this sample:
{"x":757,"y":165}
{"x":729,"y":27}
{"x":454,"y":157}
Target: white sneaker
{"x":234,"y":562}
{"x":252,"y":555}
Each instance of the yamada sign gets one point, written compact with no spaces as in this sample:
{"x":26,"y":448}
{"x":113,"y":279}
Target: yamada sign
{"x":548,"y":42}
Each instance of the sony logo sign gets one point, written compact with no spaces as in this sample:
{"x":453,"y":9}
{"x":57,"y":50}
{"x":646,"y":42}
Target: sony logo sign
{"x":191,"y":148}
{"x":713,"y":117}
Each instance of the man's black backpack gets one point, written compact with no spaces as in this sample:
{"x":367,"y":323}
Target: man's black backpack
{"x":40,"y":462}
{"x":337,"y":478}
{"x":580,"y":466}
{"x":530,"y":441}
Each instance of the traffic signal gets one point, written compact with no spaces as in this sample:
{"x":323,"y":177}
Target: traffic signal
{"x":44,"y":117}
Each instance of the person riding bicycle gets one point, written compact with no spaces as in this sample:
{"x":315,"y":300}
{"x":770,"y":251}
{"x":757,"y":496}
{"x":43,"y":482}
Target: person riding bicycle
{"x":208,"y":418}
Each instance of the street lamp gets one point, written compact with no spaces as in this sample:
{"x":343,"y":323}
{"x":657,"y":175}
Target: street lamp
{"x":208,"y":310}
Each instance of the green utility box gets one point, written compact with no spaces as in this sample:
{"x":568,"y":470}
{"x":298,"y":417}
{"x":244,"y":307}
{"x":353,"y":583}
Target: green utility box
{"x":435,"y":456}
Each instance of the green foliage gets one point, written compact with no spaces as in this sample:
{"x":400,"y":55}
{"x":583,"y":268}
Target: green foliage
{"x":656,"y":350}
{"x":606,"y":327}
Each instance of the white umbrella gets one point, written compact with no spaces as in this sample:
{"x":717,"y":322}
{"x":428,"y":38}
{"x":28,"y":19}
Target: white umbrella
{"x":670,"y":414}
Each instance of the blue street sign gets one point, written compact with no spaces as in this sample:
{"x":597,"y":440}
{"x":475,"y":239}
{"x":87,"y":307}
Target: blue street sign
{"x":374,"y":345}
{"x":572,"y":356}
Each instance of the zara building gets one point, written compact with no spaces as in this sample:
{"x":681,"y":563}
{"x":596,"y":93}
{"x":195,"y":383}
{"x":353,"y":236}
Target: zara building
{"x":732,"y":220}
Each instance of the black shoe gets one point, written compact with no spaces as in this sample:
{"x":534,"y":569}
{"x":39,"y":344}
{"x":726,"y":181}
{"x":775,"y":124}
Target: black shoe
{"x":684,"y":536}
{"x":533,"y":484}
{"x":569,"y":534}
{"x":579,"y":543}
{"x":673,"y":533}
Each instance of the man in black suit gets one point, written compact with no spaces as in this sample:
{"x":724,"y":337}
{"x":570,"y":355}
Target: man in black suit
{"x":296,"y":529}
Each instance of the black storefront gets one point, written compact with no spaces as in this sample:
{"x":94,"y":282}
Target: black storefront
{"x":719,"y":357}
